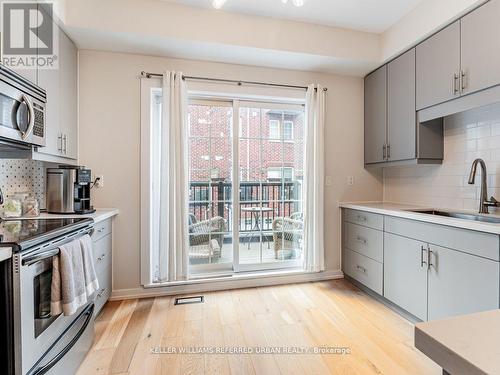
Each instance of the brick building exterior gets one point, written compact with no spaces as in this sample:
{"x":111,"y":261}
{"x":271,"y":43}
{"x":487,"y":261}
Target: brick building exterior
{"x":270,"y":147}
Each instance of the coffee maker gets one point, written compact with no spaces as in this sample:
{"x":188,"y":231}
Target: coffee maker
{"x":68,"y":190}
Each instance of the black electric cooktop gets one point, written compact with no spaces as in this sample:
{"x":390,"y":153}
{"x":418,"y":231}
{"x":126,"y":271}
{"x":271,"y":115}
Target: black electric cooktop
{"x":26,"y":233}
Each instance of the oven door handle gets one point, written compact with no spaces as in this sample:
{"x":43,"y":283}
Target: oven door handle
{"x":35,"y":258}
{"x":90,"y":314}
{"x":28,"y":261}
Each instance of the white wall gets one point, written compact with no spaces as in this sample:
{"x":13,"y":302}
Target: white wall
{"x":109,"y":91}
{"x":468,"y":135}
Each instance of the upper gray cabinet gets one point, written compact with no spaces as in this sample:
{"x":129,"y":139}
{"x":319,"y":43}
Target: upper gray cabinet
{"x":401,"y":115}
{"x":61,"y":107}
{"x":392,"y":134}
{"x":376,"y":116}
{"x":481,"y":48}
{"x":438,"y":67}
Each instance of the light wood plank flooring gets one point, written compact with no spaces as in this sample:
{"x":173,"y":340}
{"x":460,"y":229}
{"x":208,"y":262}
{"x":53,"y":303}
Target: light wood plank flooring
{"x":332,"y":313}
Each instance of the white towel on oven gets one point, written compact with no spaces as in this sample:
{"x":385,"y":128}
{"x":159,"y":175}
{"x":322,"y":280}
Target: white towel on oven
{"x":68,"y":291}
{"x":91,"y":282}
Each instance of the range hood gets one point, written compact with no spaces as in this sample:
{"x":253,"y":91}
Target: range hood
{"x":464,"y":103}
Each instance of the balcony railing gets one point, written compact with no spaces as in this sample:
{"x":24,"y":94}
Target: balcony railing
{"x":278,"y":199}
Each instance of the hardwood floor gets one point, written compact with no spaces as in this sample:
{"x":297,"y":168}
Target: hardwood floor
{"x":332,"y":313}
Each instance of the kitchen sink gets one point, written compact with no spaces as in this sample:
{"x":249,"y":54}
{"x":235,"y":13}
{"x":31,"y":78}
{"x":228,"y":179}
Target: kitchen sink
{"x":461,"y":215}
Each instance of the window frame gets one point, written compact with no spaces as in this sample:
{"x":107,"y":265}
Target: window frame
{"x":147,"y":271}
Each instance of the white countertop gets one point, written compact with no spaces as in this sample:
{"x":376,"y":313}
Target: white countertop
{"x":408,"y":211}
{"x":467,"y":344}
{"x":99,"y":215}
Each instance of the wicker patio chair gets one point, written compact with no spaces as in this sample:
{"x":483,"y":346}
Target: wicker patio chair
{"x":202,"y":243}
{"x":287,"y":234}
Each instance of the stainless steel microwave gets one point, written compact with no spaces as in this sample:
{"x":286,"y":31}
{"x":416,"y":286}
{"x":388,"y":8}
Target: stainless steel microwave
{"x":22,"y":110}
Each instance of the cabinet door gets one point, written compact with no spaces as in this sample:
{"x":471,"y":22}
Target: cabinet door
{"x":401,"y":114}
{"x":68,"y":66}
{"x":438,"y":67}
{"x":405,"y":277}
{"x":375,"y":115}
{"x":49,"y":80}
{"x":481,"y":47}
{"x":461,"y":283}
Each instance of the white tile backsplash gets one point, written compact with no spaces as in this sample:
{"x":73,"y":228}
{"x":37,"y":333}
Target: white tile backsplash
{"x":18,"y":175}
{"x":467,"y":136}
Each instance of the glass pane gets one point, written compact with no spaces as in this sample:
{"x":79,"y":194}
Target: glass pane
{"x":270,"y":222}
{"x":210,"y":186}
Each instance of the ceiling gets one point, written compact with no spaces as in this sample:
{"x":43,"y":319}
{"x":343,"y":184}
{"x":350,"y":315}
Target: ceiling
{"x":364,"y":15}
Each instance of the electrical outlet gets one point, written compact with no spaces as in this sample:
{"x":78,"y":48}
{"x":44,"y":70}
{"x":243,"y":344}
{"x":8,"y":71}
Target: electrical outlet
{"x":350,"y":180}
{"x":99,"y":182}
{"x":328,"y":180}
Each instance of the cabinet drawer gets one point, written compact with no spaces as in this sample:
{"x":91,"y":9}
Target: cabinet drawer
{"x":477,"y":243}
{"x":366,"y":241}
{"x":102,"y":250}
{"x":366,"y":219}
{"x":363,"y":269}
{"x":101,"y":229}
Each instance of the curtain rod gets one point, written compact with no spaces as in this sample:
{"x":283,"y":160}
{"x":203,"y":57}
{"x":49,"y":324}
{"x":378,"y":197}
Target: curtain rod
{"x":220,"y":80}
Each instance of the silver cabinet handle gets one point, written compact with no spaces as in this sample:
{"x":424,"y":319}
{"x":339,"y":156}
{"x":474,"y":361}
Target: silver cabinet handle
{"x":362,"y":269}
{"x":429,"y":260}
{"x":456,"y":79}
{"x":59,"y":143}
{"x":361,"y":239}
{"x":362,"y":218}
{"x":384,"y":152}
{"x":463,"y":76}
{"x":422,"y":261}
{"x":65,"y":143}
{"x":388,"y":151}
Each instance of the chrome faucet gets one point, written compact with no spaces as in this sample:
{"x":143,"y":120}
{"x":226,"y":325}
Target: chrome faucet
{"x":484,"y":203}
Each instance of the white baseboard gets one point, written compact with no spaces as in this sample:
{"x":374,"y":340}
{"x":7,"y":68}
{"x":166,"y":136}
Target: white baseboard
{"x":235,"y":282}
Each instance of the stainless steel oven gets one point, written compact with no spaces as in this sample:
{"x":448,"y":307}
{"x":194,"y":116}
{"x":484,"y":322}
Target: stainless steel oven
{"x":22,"y":109}
{"x":44,"y":343}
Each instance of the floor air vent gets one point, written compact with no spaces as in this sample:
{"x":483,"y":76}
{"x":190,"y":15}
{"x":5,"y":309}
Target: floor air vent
{"x":188,"y":300}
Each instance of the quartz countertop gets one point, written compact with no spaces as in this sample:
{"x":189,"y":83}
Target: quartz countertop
{"x":410,"y":211}
{"x":466,"y":344}
{"x":99,"y":215}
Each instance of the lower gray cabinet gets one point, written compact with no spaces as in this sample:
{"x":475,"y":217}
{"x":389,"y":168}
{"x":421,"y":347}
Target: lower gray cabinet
{"x":102,"y":249}
{"x":405,"y":274}
{"x":461,"y":283}
{"x":402,"y":262}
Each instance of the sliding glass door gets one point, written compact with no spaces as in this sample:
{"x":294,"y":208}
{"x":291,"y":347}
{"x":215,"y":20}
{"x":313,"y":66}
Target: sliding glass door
{"x":257,"y":148}
{"x":270,"y":159}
